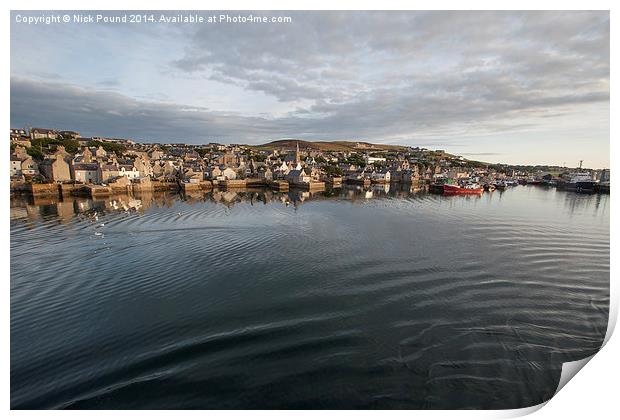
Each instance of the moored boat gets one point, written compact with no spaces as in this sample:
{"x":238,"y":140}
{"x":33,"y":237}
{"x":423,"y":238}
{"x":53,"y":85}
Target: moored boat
{"x":489,"y":187}
{"x":472,"y":188}
{"x":436,"y":188}
{"x":581,"y":182}
{"x":500,"y":185}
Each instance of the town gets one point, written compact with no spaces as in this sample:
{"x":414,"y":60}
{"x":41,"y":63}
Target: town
{"x":48,"y":162}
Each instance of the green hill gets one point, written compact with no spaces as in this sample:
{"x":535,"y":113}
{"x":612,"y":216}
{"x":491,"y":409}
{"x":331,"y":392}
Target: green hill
{"x":325,"y":146}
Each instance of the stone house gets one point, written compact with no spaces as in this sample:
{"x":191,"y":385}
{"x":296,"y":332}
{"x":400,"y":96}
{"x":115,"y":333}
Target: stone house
{"x":229,"y":173}
{"x":88,"y":173}
{"x":20,"y":139}
{"x":29,"y":167}
{"x":85,"y":157}
{"x":100,"y":152}
{"x":16,"y":166}
{"x":157,"y":154}
{"x":298,"y":176}
{"x":56,"y":169}
{"x":409,"y":176}
{"x":60,"y":150}
{"x":18,"y":132}
{"x":227,"y":159}
{"x":143,"y":166}
{"x":265,"y":173}
{"x":43,"y":133}
{"x":195,"y":171}
{"x":109,"y":171}
{"x":215,"y":172}
{"x":20,"y":153}
{"x":383,"y":175}
{"x":69,"y":134}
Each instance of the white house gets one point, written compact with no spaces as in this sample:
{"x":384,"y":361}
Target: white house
{"x":372,"y":159}
{"x":381,"y":176}
{"x":229,"y":173}
{"x":298,"y":176}
{"x":88,"y":173}
{"x":129,"y":171}
{"x":29,"y":166}
{"x":16,"y":166}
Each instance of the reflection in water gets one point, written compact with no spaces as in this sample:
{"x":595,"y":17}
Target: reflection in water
{"x":376,"y":297}
{"x":39,"y":208}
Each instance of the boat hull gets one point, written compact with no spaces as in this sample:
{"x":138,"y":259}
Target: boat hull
{"x":455,"y":189}
{"x":580,"y":186}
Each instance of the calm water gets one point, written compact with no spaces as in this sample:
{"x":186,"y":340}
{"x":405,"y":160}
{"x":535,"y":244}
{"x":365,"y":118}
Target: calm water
{"x":267,"y":300}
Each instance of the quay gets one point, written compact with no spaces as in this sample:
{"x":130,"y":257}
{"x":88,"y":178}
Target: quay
{"x":365,"y":182}
{"x":333,"y":181}
{"x":42,"y":189}
{"x":279,"y":185}
{"x":314,"y":186}
{"x":232,"y":183}
{"x":310,"y":186}
{"x":94,"y":191}
{"x":257,"y":182}
{"x":67,"y":190}
{"x":196,"y":186}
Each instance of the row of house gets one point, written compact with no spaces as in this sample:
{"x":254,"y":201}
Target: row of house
{"x":217,"y":162}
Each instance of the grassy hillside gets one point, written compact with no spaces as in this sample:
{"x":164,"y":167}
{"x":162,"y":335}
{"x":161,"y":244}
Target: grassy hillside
{"x":337,"y":146}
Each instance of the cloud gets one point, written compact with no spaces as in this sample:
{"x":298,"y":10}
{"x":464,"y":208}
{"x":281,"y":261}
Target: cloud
{"x":398,"y":77}
{"x":112,"y":114}
{"x":334,"y":56}
{"x":380,"y":116}
{"x":109,"y":82}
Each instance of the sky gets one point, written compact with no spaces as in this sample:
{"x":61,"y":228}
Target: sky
{"x":511,"y":87}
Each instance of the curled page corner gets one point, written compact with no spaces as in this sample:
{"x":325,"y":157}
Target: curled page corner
{"x":519,"y":412}
{"x":569,"y":370}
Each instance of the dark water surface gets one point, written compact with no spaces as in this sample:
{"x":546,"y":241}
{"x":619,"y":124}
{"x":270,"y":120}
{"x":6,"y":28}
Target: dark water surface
{"x":267,"y":300}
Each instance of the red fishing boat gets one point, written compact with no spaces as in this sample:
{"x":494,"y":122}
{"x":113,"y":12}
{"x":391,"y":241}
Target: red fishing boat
{"x":466,"y":189}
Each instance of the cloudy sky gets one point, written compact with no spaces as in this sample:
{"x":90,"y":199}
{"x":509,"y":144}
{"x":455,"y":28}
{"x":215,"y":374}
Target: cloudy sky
{"x":517,"y":87}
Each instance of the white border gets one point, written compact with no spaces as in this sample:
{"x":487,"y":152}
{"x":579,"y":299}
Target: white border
{"x":592,"y":394}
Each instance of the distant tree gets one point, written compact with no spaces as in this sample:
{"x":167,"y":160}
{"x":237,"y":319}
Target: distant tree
{"x":356,"y":159}
{"x":55,"y":141}
{"x":201,"y":151}
{"x":108,"y":146}
{"x":94,"y":143}
{"x":35,"y":153}
{"x":38,"y":143}
{"x":332,"y":170}
{"x":71,"y":145}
